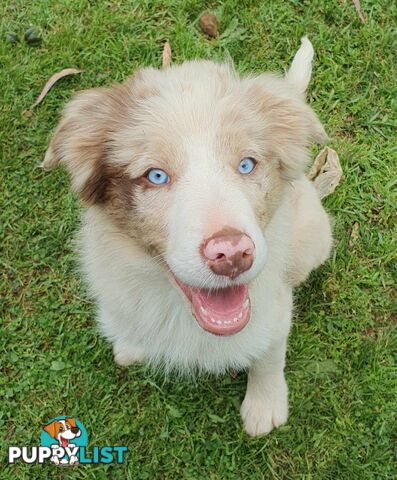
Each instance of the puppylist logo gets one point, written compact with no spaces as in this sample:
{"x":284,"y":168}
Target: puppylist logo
{"x":64,"y":442}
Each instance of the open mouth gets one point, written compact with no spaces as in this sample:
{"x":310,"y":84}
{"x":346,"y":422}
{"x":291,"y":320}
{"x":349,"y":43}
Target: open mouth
{"x":225,"y":311}
{"x":64,"y":441}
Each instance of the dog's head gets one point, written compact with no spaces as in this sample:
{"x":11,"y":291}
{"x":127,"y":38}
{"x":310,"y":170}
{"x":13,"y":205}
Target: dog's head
{"x":191,"y":162}
{"x":63,"y":430}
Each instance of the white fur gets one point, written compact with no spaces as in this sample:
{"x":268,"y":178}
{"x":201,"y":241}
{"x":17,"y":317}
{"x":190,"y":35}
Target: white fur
{"x":147,"y":318}
{"x":141,"y":310}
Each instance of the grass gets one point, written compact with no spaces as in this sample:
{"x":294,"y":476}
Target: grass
{"x":341,"y":361}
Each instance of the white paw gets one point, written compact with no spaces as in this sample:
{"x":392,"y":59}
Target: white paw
{"x":124,"y":356}
{"x":262,"y":411}
{"x":55,"y":460}
{"x":73,"y":460}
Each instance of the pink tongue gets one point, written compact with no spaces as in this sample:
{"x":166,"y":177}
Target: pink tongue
{"x":222,"y":312}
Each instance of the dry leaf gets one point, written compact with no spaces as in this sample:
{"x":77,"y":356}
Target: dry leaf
{"x":359,"y":11}
{"x":209,"y":24}
{"x":326,"y":172}
{"x":166,"y":56}
{"x":27,"y":113}
{"x":50,"y":83}
{"x":354,"y":234}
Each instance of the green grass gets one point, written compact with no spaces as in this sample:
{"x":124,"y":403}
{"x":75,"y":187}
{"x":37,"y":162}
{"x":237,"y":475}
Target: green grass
{"x":341,"y":362}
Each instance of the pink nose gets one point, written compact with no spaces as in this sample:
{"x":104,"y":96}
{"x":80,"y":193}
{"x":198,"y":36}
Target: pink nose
{"x":229,"y":252}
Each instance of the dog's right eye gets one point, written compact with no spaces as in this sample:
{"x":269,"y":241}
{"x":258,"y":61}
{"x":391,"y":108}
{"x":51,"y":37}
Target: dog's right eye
{"x":157,"y":176}
{"x":247,"y":165}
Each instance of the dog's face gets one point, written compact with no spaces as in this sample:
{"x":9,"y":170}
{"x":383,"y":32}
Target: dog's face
{"x":191,"y":162}
{"x":63,"y":430}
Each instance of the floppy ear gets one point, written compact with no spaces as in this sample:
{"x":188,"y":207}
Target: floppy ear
{"x":52,"y":428}
{"x":81,"y":140}
{"x":71,"y":421}
{"x":289,"y":124}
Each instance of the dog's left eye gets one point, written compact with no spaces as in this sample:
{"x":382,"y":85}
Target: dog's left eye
{"x":157,"y":176}
{"x":246,"y":165}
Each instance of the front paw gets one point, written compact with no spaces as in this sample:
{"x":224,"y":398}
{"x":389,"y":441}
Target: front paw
{"x":124,"y":356}
{"x":264,"y":409}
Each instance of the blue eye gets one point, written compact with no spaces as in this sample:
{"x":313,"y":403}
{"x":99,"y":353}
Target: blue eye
{"x":157,"y":176}
{"x":246,"y":165}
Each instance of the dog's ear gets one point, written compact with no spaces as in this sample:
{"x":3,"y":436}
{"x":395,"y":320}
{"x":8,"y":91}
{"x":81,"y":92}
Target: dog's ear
{"x":300,"y":71}
{"x":289,"y":124}
{"x":52,"y":428}
{"x":71,"y":421}
{"x":81,"y":140}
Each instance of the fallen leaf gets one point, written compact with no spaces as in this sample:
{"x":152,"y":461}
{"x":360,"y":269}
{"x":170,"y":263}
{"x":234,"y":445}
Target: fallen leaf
{"x":359,"y":10}
{"x":354,"y":234}
{"x":209,"y":24}
{"x":50,"y":83}
{"x":166,"y":56}
{"x":27,"y":113}
{"x":326,"y":172}
{"x":57,"y":365}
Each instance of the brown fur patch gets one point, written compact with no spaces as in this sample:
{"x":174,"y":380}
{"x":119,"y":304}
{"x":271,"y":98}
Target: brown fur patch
{"x":53,"y":428}
{"x":107,"y":184}
{"x":71,"y":422}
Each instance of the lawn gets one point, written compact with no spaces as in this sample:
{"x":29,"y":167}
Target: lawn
{"x":341,"y":366}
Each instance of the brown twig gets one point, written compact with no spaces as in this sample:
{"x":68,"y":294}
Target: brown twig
{"x":359,"y":10}
{"x":49,"y":84}
{"x":166,"y":56}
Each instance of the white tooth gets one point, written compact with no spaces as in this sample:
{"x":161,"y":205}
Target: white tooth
{"x":213,"y":320}
{"x":228,"y":322}
{"x":204,"y":310}
{"x":246,"y":303}
{"x":219,"y":322}
{"x":240,"y":315}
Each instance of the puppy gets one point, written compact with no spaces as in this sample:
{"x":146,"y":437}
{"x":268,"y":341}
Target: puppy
{"x":63,"y":431}
{"x":198,"y":218}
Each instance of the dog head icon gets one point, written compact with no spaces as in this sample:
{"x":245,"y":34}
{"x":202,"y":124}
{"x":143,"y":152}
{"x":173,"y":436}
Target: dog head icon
{"x":63,"y":430}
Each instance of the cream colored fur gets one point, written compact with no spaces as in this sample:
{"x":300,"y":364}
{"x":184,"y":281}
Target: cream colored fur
{"x":196,"y":121}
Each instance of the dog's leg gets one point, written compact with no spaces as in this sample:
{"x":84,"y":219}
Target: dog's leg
{"x":265,"y":405}
{"x":127,"y":353}
{"x":312,"y":237}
